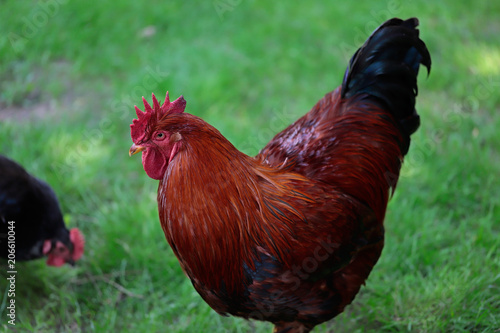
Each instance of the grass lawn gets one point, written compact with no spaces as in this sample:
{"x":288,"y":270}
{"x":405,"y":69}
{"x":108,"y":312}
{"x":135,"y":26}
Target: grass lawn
{"x":70,"y":74}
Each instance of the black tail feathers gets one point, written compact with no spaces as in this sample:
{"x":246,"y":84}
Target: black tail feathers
{"x":386,"y":68}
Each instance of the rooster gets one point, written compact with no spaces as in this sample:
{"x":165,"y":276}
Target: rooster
{"x":289,"y":236}
{"x":31,"y":222}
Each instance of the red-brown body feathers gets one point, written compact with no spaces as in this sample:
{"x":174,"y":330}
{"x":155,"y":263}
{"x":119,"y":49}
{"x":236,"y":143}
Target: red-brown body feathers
{"x":290,"y":235}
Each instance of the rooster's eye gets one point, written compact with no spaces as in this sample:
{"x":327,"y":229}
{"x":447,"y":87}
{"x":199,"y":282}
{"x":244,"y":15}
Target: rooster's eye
{"x":160,"y":135}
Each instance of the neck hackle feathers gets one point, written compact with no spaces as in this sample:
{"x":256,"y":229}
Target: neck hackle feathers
{"x":151,"y":115}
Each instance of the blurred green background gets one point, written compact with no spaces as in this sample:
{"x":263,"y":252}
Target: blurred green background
{"x":71,"y":72}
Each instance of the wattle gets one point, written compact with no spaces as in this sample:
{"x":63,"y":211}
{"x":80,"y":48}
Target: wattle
{"x":154,"y":163}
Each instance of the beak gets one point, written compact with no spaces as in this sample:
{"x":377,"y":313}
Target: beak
{"x":135,"y":149}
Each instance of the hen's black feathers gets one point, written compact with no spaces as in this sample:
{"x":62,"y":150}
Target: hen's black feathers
{"x":33,"y":207}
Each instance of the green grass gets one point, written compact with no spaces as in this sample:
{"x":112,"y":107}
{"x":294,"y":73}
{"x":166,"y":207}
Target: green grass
{"x":70,"y":80}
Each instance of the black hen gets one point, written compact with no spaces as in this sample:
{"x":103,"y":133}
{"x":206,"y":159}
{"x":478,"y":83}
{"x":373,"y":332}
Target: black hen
{"x":31,"y":219}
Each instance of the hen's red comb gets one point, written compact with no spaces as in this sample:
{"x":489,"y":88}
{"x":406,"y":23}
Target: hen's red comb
{"x":78,"y":241}
{"x":152,"y":115}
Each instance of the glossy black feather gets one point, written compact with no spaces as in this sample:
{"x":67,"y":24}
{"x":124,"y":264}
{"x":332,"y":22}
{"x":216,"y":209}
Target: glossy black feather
{"x":34,"y":208}
{"x":384,"y":70}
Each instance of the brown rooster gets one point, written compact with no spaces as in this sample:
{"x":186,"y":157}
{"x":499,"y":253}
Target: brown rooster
{"x":289,"y":236}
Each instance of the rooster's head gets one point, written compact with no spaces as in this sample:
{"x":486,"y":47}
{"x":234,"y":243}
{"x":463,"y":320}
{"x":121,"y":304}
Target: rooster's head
{"x":157,"y":144}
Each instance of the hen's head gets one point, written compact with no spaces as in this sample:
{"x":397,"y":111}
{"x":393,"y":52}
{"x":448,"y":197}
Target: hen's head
{"x":158,"y":145}
{"x":61,"y":251}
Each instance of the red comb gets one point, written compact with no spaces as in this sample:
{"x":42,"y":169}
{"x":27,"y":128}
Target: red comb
{"x":152,"y":115}
{"x":78,"y":241}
